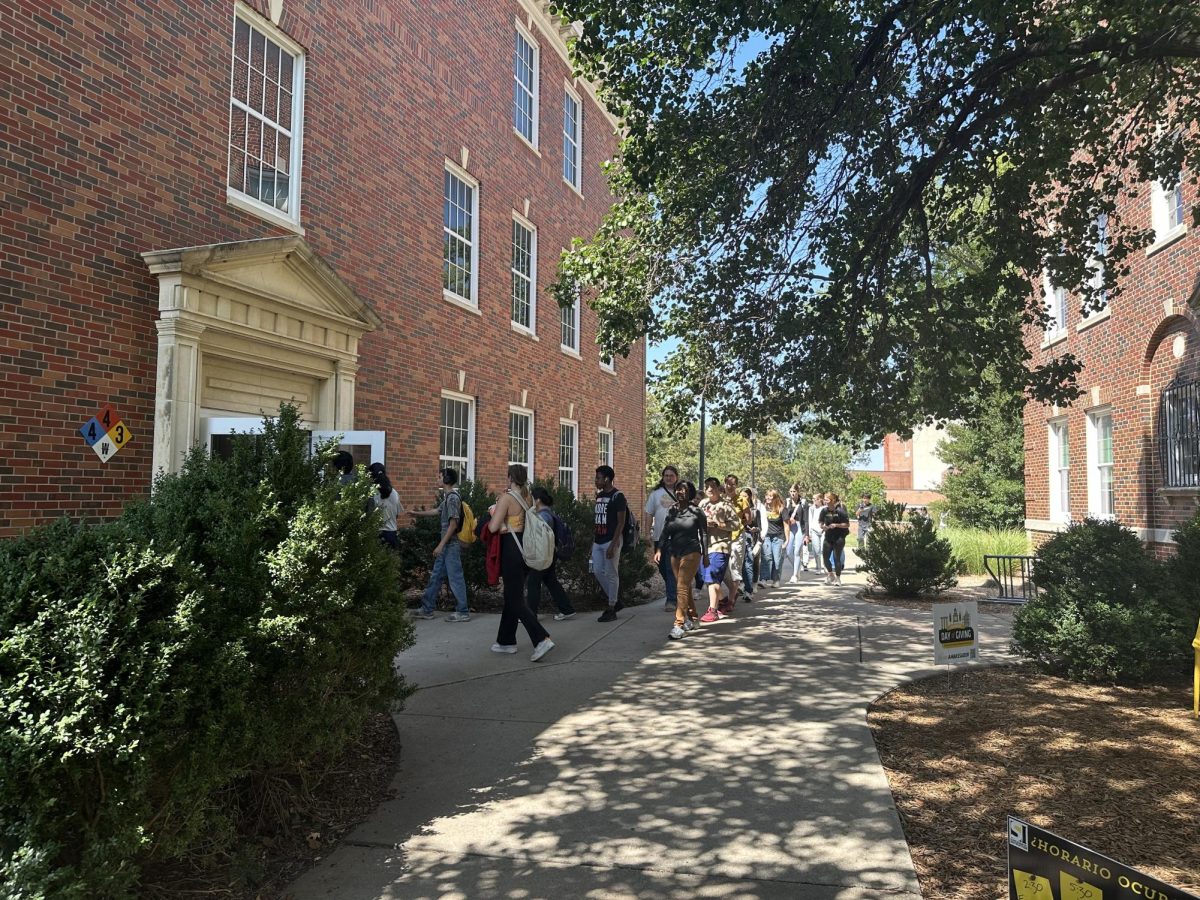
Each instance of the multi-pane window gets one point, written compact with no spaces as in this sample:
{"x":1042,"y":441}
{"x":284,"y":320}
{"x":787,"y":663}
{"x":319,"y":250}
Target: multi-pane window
{"x":605,"y":452}
{"x":1056,"y":311}
{"x":1060,"y":471}
{"x":1101,"y":495}
{"x":569,"y":320}
{"x":606,"y":361}
{"x":568,"y":457}
{"x":1099,"y":257}
{"x":1166,"y":210}
{"x":1175,"y":206}
{"x":455,"y":436}
{"x":266,"y":107}
{"x":1179,"y":434}
{"x":520,"y":438}
{"x":524,"y":274}
{"x":459,"y":262}
{"x":525,"y":87}
{"x":572,"y":138}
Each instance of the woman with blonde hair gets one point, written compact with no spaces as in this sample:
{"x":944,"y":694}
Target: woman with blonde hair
{"x":773,"y":537}
{"x":508,"y":518}
{"x":835,"y":526}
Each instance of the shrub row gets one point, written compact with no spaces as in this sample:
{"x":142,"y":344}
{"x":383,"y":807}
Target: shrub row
{"x":238,"y":624}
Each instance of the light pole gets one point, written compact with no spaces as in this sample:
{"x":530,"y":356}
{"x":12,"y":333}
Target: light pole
{"x":753,"y":452}
{"x":703,"y":427}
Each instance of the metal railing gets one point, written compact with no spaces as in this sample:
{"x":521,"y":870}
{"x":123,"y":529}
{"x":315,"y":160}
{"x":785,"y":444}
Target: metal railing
{"x":1013,"y":576}
{"x":1179,"y":434}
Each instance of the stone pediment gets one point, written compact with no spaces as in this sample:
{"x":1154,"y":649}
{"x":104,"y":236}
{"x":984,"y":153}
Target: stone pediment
{"x":282,"y":274}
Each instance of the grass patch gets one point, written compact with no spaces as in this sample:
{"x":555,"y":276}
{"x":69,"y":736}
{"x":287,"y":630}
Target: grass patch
{"x":972,"y":544}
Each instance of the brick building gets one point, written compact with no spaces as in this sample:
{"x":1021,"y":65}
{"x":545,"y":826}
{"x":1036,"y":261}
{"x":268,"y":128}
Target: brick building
{"x":1129,"y":447}
{"x":211,"y":206}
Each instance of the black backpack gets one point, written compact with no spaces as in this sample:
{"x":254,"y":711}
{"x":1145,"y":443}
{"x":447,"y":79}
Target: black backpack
{"x":564,"y":539}
{"x":631,"y":535}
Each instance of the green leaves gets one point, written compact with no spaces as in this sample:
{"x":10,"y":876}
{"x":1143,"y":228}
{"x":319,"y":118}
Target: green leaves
{"x":812,"y":175}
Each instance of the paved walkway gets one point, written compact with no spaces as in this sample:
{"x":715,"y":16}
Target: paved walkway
{"x":734,"y":764}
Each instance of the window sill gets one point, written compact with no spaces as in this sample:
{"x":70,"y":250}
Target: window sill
{"x":1094,"y":319}
{"x":524,"y":140}
{"x":574,"y":188}
{"x":239,"y":200}
{"x":569,"y":351}
{"x":1167,"y":239}
{"x":455,"y":300}
{"x":1051,"y":339}
{"x":1179,"y":493}
{"x":517,"y":328}
{"x":606,"y":370}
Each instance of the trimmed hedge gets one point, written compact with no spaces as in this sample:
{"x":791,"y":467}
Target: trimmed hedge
{"x":238,"y":624}
{"x":1106,"y":610}
{"x":909,"y":559}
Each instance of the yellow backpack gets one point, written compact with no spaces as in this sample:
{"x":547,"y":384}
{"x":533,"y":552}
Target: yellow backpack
{"x":466,"y":534}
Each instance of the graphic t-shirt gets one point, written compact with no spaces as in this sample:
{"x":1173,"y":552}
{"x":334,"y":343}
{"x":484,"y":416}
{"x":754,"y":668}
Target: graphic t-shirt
{"x":722,"y":519}
{"x":609,"y":505}
{"x":833,"y":517}
{"x":775,"y":524}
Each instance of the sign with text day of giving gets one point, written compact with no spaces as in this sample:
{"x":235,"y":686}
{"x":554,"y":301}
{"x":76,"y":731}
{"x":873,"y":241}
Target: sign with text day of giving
{"x":105,"y":433}
{"x":955,"y":638}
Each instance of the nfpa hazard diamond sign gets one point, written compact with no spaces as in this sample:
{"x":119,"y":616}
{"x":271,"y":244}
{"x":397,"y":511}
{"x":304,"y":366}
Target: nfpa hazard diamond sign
{"x":105,"y":433}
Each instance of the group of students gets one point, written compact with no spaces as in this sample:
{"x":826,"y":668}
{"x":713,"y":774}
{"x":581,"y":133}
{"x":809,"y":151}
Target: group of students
{"x":730,"y":541}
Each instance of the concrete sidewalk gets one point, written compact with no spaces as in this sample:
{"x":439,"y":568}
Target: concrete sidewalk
{"x":736,"y":763}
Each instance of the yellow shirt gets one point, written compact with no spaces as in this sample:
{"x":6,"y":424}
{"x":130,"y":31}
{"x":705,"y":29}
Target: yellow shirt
{"x":741,"y":505}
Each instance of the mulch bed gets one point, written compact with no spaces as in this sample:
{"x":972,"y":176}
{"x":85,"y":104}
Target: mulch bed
{"x":1116,"y":769}
{"x":271,"y":857}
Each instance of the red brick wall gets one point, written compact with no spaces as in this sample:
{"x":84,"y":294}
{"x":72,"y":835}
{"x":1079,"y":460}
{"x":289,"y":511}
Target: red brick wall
{"x":1130,"y":349}
{"x":113,"y":126}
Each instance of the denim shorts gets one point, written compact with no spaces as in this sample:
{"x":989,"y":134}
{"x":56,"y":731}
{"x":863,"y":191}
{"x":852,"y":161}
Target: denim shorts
{"x":714,"y":572}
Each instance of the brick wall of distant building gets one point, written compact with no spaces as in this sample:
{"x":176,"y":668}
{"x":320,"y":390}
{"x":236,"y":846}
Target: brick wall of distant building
{"x":114,"y":120}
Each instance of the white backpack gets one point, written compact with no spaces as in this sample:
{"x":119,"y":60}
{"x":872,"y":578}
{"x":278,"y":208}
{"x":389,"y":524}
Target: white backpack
{"x":537,"y":541}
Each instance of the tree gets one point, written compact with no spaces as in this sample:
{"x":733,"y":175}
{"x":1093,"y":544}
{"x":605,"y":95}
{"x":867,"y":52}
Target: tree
{"x":985,"y":487}
{"x":800,"y":172}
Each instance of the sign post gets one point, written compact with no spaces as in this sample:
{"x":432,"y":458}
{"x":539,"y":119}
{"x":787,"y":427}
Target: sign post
{"x":1043,"y":866}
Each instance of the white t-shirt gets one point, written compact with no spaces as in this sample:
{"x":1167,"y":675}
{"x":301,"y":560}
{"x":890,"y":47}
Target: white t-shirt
{"x":390,"y":507}
{"x":814,"y":521}
{"x":658,"y":504}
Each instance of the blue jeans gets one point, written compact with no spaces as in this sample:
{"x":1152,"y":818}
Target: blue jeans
{"x":605,"y":570}
{"x":668,"y":575}
{"x":816,"y":544}
{"x":447,"y":565}
{"x":772,"y":553}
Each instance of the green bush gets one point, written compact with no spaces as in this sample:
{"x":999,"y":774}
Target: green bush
{"x":1099,"y":613}
{"x":908,"y":559}
{"x":416,"y":543}
{"x":1183,"y":575}
{"x":970,"y":545}
{"x":156,"y":669}
{"x":865,"y":483}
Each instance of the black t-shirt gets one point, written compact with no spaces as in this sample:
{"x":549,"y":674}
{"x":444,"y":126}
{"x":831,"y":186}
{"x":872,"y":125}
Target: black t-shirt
{"x":775,"y":523}
{"x":685,"y":531}
{"x":835,"y":517}
{"x":609,"y":504}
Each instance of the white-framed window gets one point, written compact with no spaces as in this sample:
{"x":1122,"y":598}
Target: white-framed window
{"x":1060,"y":473}
{"x":606,"y":362}
{"x":525,"y":85}
{"x":1167,"y":211}
{"x":520,"y":437}
{"x":568,"y":318}
{"x":266,"y":116}
{"x":460,"y":217}
{"x":1056,"y":309}
{"x":1101,"y":494}
{"x":572,"y":139}
{"x":568,"y":455}
{"x":604,"y":453}
{"x":1099,"y":261}
{"x":524,"y":274}
{"x":456,"y":434}
{"x":365,"y":447}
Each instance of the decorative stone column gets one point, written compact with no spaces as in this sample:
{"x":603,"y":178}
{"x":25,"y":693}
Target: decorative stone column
{"x":176,"y":417}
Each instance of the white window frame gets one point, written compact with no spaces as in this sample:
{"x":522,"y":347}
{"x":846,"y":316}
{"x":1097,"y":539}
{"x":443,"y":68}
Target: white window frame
{"x":534,"y":90}
{"x":1096,"y":466}
{"x":573,"y":311}
{"x":470,"y":460}
{"x":527,"y":414}
{"x":1163,"y":210}
{"x":1059,"y":437}
{"x":236,"y":196}
{"x":602,"y":433}
{"x":1055,"y":299}
{"x":608,"y":363}
{"x":461,"y":174}
{"x":574,"y":469}
{"x":531,"y":328}
{"x":376,"y":440}
{"x":573,"y":145}
{"x":1099,"y":264}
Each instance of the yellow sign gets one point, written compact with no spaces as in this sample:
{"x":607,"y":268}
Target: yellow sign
{"x":1032,"y":887}
{"x":1074,"y":889}
{"x":1196,"y":674}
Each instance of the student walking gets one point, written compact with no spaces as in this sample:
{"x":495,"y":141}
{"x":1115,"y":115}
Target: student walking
{"x":548,"y":577}
{"x":796,"y":513}
{"x":865,"y":513}
{"x":658,"y":505}
{"x":611,"y":511}
{"x":752,"y":528}
{"x":776,"y":533}
{"x":720,"y":519}
{"x":508,"y":518}
{"x":387,"y":501}
{"x":447,"y":555}
{"x":816,"y":536}
{"x":835,"y":524}
{"x":737,"y":552}
{"x":685,"y":540}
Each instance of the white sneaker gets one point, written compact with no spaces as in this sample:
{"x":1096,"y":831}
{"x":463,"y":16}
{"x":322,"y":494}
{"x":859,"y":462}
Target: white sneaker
{"x":504,"y":648}
{"x":837,"y":579}
{"x":689,"y":625}
{"x":677,"y":633}
{"x":562,"y":617}
{"x":777,"y":582}
{"x":542,"y":649}
{"x":793,"y":580}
